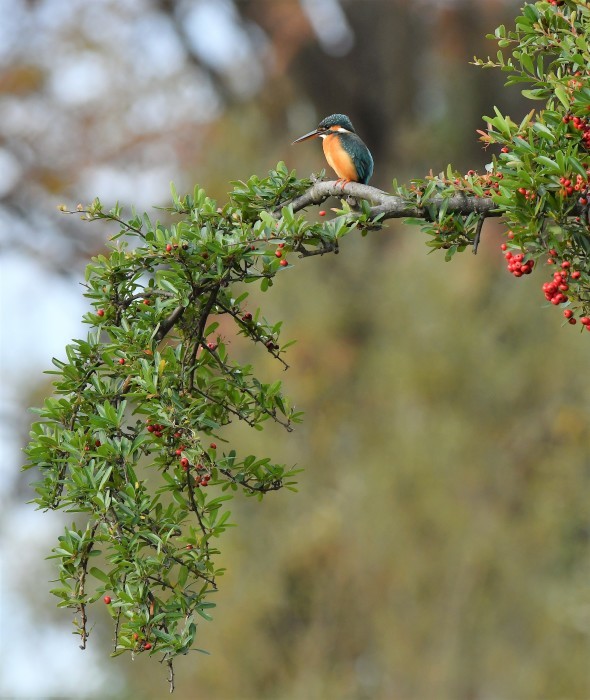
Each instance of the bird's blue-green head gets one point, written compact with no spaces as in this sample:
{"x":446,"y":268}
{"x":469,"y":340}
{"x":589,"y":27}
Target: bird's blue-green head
{"x":333,"y":122}
{"x":340,"y":120}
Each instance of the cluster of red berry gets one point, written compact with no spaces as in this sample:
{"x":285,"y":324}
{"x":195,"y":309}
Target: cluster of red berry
{"x":527,"y":194}
{"x":97,"y":443}
{"x":279,"y":254}
{"x":579,"y":185}
{"x":200,"y":479}
{"x":141,"y":643}
{"x":269,"y":342}
{"x":581,"y":124}
{"x":158,"y":430}
{"x":555,"y":290}
{"x":517,"y":265}
{"x":489,"y":181}
{"x":172,"y":246}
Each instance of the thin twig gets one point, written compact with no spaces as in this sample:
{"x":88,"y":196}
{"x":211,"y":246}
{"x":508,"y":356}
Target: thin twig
{"x":170,"y":665}
{"x":252,"y":331}
{"x":82,"y":584}
{"x":169,"y":322}
{"x":224,"y":406}
{"x":275,"y":485}
{"x":477,"y":236}
{"x":199,"y":339}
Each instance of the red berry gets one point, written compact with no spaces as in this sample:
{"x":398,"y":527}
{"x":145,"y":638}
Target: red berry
{"x":281,"y":245}
{"x":150,"y":429}
{"x":178,"y":434}
{"x":158,"y":433}
{"x":550,"y":261}
{"x":146,"y":302}
{"x":178,"y":453}
{"x":565,"y":264}
{"x":503,"y":246}
{"x":189,"y":546}
{"x":572,"y":321}
{"x":168,"y":247}
{"x":147,"y":645}
{"x":212,"y":346}
{"x":100,"y":312}
{"x":504,"y":149}
{"x":283,"y":263}
{"x":585,"y":321}
{"x":568,"y":313}
{"x":184,"y":463}
{"x":97,"y":443}
{"x":121,"y":360}
{"x":213,"y":446}
{"x":107,"y":599}
{"x":322,"y":213}
{"x":135,"y":636}
{"x":279,"y":253}
{"x":576,"y":275}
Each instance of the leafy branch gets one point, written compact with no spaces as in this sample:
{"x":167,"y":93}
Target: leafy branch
{"x":130,"y":439}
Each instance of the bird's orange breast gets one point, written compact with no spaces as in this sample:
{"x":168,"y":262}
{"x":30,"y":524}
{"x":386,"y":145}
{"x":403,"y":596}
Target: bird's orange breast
{"x":338,"y":159}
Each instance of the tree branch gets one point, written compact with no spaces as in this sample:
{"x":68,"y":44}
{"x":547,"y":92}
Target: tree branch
{"x":397,"y":207}
{"x":394,"y":206}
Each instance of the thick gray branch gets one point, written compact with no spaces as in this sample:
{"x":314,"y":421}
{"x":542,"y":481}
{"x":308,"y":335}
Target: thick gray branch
{"x":392,"y":206}
{"x":396,"y":207}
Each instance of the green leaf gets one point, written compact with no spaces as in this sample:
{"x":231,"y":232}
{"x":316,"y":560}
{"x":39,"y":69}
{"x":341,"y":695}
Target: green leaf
{"x":100,"y":575}
{"x":562,"y":96}
{"x":542,"y":129}
{"x":548,"y":163}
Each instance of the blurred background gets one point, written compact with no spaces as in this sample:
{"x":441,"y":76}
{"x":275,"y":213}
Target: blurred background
{"x":439,"y":545}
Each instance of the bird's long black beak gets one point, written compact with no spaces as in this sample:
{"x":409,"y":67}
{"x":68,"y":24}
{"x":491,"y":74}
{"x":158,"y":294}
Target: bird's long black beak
{"x":311,"y":135}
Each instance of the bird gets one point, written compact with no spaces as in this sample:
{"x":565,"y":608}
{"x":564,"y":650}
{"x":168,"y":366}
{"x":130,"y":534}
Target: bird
{"x":345,"y":151}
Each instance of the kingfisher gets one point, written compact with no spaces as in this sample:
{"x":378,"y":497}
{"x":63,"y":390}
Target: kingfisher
{"x":344,"y":149}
